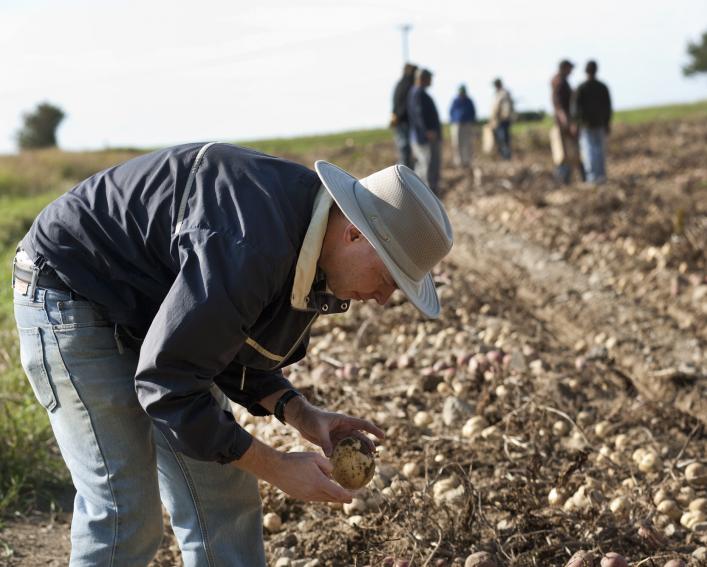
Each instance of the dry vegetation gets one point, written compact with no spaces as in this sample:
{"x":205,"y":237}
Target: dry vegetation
{"x":559,"y":403}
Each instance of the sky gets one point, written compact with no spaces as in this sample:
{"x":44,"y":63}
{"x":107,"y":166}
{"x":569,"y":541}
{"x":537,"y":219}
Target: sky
{"x":151,"y":73}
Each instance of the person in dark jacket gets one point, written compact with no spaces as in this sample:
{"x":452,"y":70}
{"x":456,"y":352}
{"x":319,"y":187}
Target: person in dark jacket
{"x":592,"y":113}
{"x":563,"y":136}
{"x":399,"y":117}
{"x":155,"y":291}
{"x":425,"y":130}
{"x":462,"y":116}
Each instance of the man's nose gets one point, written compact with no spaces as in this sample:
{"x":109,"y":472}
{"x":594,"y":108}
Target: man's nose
{"x":383,"y":296}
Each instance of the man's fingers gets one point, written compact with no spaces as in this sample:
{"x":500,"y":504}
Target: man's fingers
{"x":324,"y":465}
{"x":366,"y":425}
{"x":333,"y":491}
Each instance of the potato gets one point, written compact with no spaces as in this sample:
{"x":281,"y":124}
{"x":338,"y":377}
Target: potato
{"x":353,"y":462}
{"x":613,"y":559}
{"x":581,"y":558}
{"x":696,"y":474}
{"x":480,"y":559}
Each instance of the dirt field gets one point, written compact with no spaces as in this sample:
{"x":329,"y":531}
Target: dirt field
{"x":559,"y":404}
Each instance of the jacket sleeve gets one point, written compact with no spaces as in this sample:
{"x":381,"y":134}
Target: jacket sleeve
{"x":247,"y":386}
{"x":221,"y":288}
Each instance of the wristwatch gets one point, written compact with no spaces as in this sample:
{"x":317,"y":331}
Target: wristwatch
{"x":282,"y":402}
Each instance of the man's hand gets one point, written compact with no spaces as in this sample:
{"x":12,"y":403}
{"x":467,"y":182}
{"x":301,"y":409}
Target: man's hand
{"x":325,"y":428}
{"x":306,"y":476}
{"x":431,"y":136}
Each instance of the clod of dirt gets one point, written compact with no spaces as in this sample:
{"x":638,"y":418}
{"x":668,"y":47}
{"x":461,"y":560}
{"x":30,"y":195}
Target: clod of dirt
{"x":353,"y":462}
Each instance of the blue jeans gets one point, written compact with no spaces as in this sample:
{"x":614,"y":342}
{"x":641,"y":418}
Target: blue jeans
{"x":592,"y":145}
{"x":122,"y":467}
{"x":502,"y":134}
{"x":428,"y":161}
{"x":402,"y":143}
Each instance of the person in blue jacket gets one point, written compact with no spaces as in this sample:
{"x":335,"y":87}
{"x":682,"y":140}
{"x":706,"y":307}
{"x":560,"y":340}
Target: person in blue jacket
{"x":462,"y":116}
{"x":156,"y":292}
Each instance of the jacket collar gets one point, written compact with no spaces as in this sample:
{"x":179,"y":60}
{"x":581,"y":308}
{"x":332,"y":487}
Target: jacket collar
{"x":309,"y":291}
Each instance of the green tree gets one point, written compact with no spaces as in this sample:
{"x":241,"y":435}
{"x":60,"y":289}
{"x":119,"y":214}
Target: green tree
{"x":39,"y":130}
{"x":698,"y":52}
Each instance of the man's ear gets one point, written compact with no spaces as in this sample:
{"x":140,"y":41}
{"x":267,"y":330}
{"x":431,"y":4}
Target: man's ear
{"x":351,"y":233}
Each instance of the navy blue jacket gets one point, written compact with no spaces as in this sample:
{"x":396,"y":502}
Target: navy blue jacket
{"x":462,"y":110}
{"x":592,"y":104}
{"x":422,"y":114}
{"x":210,"y":294}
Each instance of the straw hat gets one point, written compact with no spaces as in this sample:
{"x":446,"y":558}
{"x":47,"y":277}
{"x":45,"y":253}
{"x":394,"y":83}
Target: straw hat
{"x":402,"y":219}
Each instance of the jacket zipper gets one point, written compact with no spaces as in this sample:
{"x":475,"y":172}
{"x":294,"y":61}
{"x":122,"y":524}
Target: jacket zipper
{"x":297,"y":343}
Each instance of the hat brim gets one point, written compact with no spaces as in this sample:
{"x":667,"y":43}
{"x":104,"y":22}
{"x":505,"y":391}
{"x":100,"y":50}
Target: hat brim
{"x":341,"y":186}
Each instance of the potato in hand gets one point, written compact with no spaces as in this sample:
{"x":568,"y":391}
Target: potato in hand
{"x":353,"y":462}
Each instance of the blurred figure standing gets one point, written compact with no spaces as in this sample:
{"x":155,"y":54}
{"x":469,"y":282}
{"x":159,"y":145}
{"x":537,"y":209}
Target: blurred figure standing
{"x":462,"y":116}
{"x":563,"y":140}
{"x":399,"y":118}
{"x":425,"y":130}
{"x":592,"y":113}
{"x":500,"y":121}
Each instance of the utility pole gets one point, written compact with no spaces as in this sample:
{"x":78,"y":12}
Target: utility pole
{"x":405,"y":29}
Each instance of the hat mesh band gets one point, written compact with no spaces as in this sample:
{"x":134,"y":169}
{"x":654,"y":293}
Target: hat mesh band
{"x":400,"y":220}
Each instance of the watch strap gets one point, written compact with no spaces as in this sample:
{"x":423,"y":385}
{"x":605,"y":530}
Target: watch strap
{"x":282,"y":402}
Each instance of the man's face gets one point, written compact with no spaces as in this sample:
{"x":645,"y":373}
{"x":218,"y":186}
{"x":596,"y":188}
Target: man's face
{"x":357,"y":272}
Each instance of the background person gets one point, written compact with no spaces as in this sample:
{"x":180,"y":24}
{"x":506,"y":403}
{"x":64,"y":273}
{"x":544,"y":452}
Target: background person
{"x":563,"y":138}
{"x":462,"y":116}
{"x":154,"y":290}
{"x":425,"y":130}
{"x":500,"y":120}
{"x":592,"y":113}
{"x":399,"y":117}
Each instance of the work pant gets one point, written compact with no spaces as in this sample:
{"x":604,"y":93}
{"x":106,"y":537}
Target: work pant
{"x":403,"y":145}
{"x":462,"y":136}
{"x":565,"y":152}
{"x":502,"y":135}
{"x":428,"y":162}
{"x":121,"y":465}
{"x":592,"y":145}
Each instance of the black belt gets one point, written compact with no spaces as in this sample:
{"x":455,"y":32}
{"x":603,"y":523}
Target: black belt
{"x":47,"y":278}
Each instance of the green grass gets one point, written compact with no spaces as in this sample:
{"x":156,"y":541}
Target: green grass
{"x":693,"y":110}
{"x":30,"y":467}
{"x":307,"y":144}
{"x":660,"y":113}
